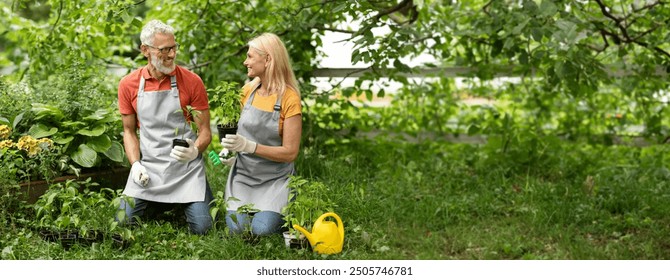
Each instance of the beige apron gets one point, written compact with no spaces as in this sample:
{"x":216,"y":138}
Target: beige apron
{"x":170,"y":181}
{"x":254,"y":179}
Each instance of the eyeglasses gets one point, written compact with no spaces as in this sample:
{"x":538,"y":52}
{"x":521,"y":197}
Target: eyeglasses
{"x":166,"y":50}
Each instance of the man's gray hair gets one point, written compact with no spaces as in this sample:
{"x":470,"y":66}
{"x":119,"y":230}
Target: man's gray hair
{"x":152,"y":28}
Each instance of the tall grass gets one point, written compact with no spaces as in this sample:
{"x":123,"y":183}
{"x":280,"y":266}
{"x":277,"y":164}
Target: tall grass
{"x":438,"y":200}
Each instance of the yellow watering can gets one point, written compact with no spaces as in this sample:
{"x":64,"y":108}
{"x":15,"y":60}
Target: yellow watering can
{"x":326,"y":237}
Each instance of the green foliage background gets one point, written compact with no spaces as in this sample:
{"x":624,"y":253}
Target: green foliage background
{"x":580,"y":62}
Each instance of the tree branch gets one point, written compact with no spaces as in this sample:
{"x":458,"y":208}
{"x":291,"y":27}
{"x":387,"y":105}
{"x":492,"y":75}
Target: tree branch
{"x":625,"y":36}
{"x":394,"y":9}
{"x":60,"y":10}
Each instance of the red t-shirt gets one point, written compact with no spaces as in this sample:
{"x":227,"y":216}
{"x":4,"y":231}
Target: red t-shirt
{"x":191,"y":89}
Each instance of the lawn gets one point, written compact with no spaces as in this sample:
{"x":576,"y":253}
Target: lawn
{"x":433,"y":201}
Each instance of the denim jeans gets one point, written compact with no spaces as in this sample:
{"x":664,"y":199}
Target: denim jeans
{"x":261,"y":223}
{"x":197,"y":213}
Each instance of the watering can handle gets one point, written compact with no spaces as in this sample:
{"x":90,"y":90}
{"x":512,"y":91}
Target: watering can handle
{"x":340,"y":225}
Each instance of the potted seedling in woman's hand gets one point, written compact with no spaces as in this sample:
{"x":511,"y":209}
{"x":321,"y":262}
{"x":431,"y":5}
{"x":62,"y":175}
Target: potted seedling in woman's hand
{"x":225,"y":102}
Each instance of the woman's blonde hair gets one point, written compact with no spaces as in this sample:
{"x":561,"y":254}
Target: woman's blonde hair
{"x":279,"y":73}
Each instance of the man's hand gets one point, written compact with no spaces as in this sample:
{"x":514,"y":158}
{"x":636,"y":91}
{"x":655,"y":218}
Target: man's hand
{"x":185,"y":154}
{"x":139,"y":174}
{"x":237,"y":143}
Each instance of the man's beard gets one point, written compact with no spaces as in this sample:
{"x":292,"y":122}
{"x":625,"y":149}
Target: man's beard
{"x":158,"y":64}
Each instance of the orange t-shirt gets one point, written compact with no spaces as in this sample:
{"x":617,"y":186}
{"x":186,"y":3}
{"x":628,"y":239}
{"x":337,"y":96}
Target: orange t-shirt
{"x":290,"y":104}
{"x":191,"y":89}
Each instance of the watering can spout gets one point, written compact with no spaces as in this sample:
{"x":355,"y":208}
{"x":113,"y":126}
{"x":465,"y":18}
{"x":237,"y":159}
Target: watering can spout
{"x":309,"y":236}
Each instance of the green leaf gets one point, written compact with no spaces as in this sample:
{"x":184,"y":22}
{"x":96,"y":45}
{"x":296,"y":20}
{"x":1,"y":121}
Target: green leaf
{"x":213,"y":211}
{"x":115,"y":152}
{"x":99,"y":144}
{"x":137,"y":22}
{"x":17,"y":120}
{"x":517,"y":29}
{"x":523,"y":57}
{"x":85,"y":156}
{"x":547,"y":8}
{"x":401,"y":66}
{"x":49,"y":112}
{"x":96,"y":131}
{"x":355,"y":56}
{"x":98,"y":115}
{"x":63,"y":141}
{"x":40,"y":131}
{"x":537,"y":33}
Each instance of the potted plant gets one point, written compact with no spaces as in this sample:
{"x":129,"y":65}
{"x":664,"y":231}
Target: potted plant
{"x":307,"y":201}
{"x":225,"y":102}
{"x":120,"y":236}
{"x":64,"y":213}
{"x":190,"y":112}
{"x":95,"y":221}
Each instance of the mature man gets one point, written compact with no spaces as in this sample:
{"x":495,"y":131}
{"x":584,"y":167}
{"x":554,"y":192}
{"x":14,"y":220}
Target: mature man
{"x":155,"y":99}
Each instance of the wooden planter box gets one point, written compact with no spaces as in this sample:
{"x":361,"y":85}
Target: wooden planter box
{"x":112,"y":178}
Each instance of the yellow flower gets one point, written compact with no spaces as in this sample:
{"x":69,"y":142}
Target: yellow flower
{"x":5,"y":131}
{"x":29,"y":144}
{"x":6,"y":144}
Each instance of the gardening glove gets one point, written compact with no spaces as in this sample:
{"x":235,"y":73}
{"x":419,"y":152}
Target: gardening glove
{"x":237,"y":143}
{"x":139,"y":174}
{"x":227,"y":161}
{"x":185,"y":154}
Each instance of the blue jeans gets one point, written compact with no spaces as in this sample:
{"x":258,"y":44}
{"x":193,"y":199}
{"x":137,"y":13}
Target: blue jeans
{"x":197,"y":213}
{"x":261,"y":223}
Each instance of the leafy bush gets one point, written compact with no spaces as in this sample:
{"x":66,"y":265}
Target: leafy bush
{"x":76,"y":206}
{"x":75,"y":109}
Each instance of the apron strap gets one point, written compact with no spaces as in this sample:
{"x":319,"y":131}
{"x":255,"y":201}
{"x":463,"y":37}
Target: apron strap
{"x":140,"y":89}
{"x":277,"y":108}
{"x":173,"y":81}
{"x":173,"y":85}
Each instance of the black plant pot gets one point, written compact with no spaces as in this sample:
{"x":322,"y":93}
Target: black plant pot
{"x":67,"y":238}
{"x":295,"y":243}
{"x":226,"y":129}
{"x":90,"y":237}
{"x":119,"y":242}
{"x":299,"y":244}
{"x":179,"y":142}
{"x":49,"y":235}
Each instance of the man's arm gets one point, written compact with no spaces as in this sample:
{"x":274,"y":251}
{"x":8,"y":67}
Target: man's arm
{"x":131,"y":143}
{"x":202,"y":120}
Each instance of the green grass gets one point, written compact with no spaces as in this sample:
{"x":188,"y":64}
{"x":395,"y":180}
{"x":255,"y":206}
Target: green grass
{"x":440,"y":201}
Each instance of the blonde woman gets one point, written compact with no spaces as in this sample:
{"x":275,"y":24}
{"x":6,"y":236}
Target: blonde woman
{"x":267,"y":140}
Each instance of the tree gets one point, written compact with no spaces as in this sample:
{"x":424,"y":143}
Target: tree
{"x":606,"y":56}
